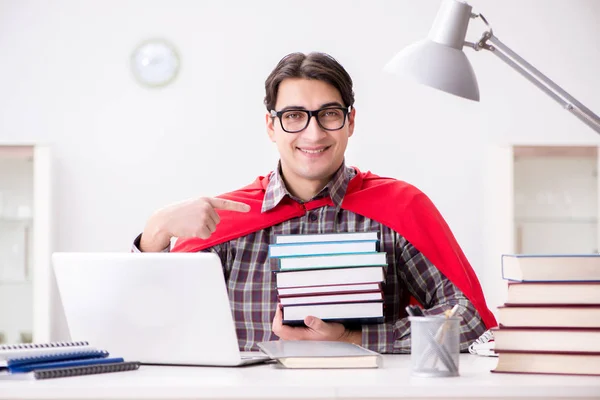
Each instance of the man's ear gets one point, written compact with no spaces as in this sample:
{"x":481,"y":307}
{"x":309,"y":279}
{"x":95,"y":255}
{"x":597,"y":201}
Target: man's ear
{"x":270,"y":131}
{"x":351,"y":116}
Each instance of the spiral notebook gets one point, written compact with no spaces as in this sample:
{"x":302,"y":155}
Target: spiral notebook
{"x":22,"y":350}
{"x":74,"y":371}
{"x":56,"y":360}
{"x":46,"y":358}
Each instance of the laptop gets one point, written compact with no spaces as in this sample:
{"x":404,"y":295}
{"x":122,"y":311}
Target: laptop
{"x":156,"y":308}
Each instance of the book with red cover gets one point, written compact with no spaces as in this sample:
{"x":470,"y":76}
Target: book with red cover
{"x":541,"y":315}
{"x":551,"y":267}
{"x":553,"y":293}
{"x":347,"y":313}
{"x":331,"y":298}
{"x":550,"y":340}
{"x":548,"y":363}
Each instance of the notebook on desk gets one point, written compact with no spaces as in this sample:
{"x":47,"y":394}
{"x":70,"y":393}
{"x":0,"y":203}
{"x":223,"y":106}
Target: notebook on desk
{"x":25,"y":361}
{"x":320,"y":354}
{"x":157,"y":308}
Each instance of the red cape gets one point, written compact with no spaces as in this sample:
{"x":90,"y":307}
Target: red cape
{"x":395,"y":204}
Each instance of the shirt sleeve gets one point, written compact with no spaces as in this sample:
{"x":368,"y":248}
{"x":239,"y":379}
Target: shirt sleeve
{"x":222,"y":250}
{"x":135,"y":248}
{"x":435,"y":292}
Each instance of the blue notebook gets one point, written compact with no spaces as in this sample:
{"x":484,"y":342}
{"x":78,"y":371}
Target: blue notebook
{"x":57,"y":360}
{"x":18,"y":361}
{"x":72,"y":371}
{"x":63,"y":364}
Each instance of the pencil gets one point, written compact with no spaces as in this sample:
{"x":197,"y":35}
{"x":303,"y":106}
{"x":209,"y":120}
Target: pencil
{"x":442,"y":330}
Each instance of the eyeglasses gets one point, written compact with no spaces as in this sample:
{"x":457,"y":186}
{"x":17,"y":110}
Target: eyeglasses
{"x":328,"y":118}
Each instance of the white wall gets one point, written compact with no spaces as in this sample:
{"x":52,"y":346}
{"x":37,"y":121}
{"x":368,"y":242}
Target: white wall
{"x":121,"y":150}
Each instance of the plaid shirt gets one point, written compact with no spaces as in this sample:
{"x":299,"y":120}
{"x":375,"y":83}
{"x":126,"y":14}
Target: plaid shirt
{"x":252,"y":288}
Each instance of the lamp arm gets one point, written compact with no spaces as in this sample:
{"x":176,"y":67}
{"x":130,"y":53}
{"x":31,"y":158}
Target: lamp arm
{"x":534,"y":76}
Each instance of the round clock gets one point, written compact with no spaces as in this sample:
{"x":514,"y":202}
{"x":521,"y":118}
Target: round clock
{"x":155,"y":63}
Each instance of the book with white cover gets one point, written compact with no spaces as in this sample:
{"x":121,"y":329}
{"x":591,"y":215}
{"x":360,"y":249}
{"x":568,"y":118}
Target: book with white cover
{"x":320,"y":354}
{"x":333,"y":261}
{"x":327,"y":237}
{"x":333,"y":276}
{"x":322,"y":248}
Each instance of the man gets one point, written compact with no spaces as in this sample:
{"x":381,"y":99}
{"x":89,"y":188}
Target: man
{"x":310,"y":117}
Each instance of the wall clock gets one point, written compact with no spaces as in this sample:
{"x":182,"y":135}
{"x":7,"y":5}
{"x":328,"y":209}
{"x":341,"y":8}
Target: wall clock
{"x":155,"y":63}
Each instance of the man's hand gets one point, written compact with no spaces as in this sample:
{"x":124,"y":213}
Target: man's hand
{"x":316,"y":329}
{"x":190,"y":218}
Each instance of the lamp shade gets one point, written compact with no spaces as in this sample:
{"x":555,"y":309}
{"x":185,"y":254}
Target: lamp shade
{"x":439,"y":61}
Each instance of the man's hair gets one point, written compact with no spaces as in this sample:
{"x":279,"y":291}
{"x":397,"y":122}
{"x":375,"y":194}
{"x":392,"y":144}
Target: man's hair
{"x":318,"y":66}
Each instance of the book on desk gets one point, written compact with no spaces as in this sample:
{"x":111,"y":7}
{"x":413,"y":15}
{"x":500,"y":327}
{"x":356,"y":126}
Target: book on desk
{"x":547,"y":293}
{"x":551,"y":321}
{"x":551,"y":267}
{"x":302,"y":354}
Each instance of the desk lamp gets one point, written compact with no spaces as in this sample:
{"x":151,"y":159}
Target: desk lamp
{"x":439,"y":61}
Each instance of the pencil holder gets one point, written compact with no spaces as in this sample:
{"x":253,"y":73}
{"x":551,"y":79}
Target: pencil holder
{"x":435,"y":346}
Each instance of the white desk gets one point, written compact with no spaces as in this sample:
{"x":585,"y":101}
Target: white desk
{"x":267,"y":382}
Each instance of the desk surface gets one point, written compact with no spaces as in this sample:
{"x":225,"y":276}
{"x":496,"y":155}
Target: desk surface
{"x":393,"y":380}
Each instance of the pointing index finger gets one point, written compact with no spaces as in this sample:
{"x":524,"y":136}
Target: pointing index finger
{"x":223,"y":204}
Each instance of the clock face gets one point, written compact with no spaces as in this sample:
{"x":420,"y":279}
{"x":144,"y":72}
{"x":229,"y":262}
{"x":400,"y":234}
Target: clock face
{"x":155,"y":63}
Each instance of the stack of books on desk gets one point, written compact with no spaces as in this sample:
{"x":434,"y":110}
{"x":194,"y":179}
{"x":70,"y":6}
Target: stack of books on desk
{"x":58,"y":360}
{"x":335,"y":277}
{"x":550,"y":322}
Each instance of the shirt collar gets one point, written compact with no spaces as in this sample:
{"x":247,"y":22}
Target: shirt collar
{"x":335,"y":188}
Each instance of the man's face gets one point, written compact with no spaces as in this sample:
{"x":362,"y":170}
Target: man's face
{"x":313,"y":154}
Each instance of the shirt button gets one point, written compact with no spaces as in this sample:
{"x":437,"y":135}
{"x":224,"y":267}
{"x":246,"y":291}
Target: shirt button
{"x":313,"y":217}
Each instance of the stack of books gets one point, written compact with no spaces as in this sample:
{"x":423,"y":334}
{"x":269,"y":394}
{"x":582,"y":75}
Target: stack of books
{"x":335,"y":277}
{"x":550,"y":322}
{"x":58,"y":360}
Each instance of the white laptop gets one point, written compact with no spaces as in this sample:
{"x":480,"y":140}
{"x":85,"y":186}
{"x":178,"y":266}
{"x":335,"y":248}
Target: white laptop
{"x":156,"y":308}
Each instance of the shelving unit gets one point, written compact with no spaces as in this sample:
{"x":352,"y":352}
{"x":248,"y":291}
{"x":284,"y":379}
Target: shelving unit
{"x":16,"y":198}
{"x":556,"y":199}
{"x":25,"y":237}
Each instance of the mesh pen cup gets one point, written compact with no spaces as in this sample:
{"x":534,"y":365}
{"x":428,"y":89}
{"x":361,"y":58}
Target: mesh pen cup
{"x":435,"y":346}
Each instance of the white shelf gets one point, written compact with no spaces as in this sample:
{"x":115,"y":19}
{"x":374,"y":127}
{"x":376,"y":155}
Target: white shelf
{"x":26,"y":282}
{"x":562,"y":220}
{"x":11,"y":219}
